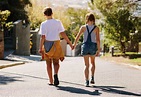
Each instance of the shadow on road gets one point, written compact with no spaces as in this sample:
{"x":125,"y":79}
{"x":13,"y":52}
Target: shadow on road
{"x":21,"y":58}
{"x":113,"y":89}
{"x":5,"y":79}
{"x":108,"y":89}
{"x":77,"y":90}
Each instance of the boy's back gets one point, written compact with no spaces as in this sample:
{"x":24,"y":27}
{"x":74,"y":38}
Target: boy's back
{"x":51,"y":28}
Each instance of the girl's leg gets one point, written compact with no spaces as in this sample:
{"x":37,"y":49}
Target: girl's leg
{"x":93,"y":65}
{"x":49,"y":70}
{"x":92,"y":68}
{"x":86,"y":60}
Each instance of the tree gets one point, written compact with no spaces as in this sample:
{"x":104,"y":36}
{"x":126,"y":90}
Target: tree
{"x":17,"y":9}
{"x":77,"y":18}
{"x":118,"y":21}
{"x":3,"y":17}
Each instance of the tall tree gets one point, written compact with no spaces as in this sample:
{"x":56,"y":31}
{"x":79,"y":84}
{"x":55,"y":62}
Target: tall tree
{"x":118,"y":21}
{"x":17,"y":9}
{"x":77,"y":18}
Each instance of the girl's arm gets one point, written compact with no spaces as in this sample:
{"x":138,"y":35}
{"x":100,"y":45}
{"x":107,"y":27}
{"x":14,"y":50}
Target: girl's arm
{"x":98,"y":40}
{"x":81,"y":30}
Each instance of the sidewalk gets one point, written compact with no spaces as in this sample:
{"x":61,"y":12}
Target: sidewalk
{"x":8,"y":63}
{"x":13,"y":60}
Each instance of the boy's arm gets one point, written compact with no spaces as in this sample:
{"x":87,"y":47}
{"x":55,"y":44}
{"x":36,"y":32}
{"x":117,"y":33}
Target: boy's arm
{"x":41,"y":43}
{"x":63,"y":34}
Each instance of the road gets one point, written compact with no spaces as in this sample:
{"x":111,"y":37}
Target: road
{"x":30,"y":80}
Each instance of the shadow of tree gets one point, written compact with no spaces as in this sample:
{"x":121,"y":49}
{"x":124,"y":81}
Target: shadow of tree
{"x":108,"y":89}
{"x":111,"y":89}
{"x":26,"y":59}
{"x":77,"y":90}
{"x":6,"y":79}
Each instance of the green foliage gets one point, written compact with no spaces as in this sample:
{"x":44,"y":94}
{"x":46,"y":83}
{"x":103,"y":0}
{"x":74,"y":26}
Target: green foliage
{"x":71,"y":18}
{"x":77,"y":18}
{"x":35,"y":17}
{"x":118,"y":22}
{"x":31,"y":43}
{"x":3,"y":18}
{"x":17,"y":9}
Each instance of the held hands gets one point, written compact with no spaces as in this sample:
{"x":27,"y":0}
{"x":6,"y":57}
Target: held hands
{"x":72,"y":46}
{"x":41,"y":51}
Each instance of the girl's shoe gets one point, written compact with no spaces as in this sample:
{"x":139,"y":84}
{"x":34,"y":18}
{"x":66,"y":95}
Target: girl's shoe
{"x":92,"y":80}
{"x":87,"y":83}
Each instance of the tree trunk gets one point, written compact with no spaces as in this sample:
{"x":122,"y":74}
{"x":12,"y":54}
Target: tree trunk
{"x":1,"y":45}
{"x":122,"y":47}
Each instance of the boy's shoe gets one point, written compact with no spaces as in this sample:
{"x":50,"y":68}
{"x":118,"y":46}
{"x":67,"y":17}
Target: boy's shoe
{"x":87,"y":83}
{"x":50,"y":84}
{"x":56,"y":81}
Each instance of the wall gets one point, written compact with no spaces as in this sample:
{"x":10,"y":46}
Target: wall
{"x":21,"y":38}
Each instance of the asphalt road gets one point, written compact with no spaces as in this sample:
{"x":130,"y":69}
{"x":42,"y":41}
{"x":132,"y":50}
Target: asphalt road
{"x":30,"y":80}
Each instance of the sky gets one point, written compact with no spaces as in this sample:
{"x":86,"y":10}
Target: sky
{"x":62,"y":3}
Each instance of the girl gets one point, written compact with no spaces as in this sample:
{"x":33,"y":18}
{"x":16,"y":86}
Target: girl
{"x":90,"y":46}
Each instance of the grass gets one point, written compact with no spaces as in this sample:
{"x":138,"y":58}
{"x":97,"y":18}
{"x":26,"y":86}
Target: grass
{"x":125,"y":59}
{"x":136,"y":61}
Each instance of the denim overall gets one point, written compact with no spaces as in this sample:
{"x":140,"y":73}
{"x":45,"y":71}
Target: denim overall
{"x":89,"y":47}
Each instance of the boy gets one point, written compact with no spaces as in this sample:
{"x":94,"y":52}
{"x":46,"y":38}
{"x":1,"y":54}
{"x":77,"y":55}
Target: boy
{"x":50,"y":47}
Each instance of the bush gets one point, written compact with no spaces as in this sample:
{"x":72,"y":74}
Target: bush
{"x":3,"y":17}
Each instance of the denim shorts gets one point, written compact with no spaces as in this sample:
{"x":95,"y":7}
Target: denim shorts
{"x":89,"y":48}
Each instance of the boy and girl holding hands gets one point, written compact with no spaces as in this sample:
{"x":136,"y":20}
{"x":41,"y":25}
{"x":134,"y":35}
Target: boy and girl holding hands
{"x":51,"y":50}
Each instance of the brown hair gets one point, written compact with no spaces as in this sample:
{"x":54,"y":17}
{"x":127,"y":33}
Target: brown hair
{"x":47,"y":11}
{"x":90,"y":17}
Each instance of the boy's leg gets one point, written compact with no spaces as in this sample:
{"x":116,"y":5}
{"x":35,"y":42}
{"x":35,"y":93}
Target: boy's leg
{"x":92,"y":68}
{"x":56,"y":69}
{"x":56,"y":65}
{"x":49,"y":70}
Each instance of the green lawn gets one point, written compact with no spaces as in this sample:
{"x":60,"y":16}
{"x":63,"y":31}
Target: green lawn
{"x":136,"y":61}
{"x":125,"y":59}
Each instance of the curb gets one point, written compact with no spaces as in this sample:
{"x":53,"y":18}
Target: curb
{"x":11,"y":64}
{"x":128,"y":64}
{"x":133,"y":66}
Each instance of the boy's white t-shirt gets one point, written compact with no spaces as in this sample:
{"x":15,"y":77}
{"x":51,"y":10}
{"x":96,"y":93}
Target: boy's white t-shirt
{"x":51,"y":29}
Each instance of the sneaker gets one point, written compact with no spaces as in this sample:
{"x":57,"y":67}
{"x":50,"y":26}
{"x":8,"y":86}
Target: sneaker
{"x":56,"y":81}
{"x":87,"y":83}
{"x":92,"y":80}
